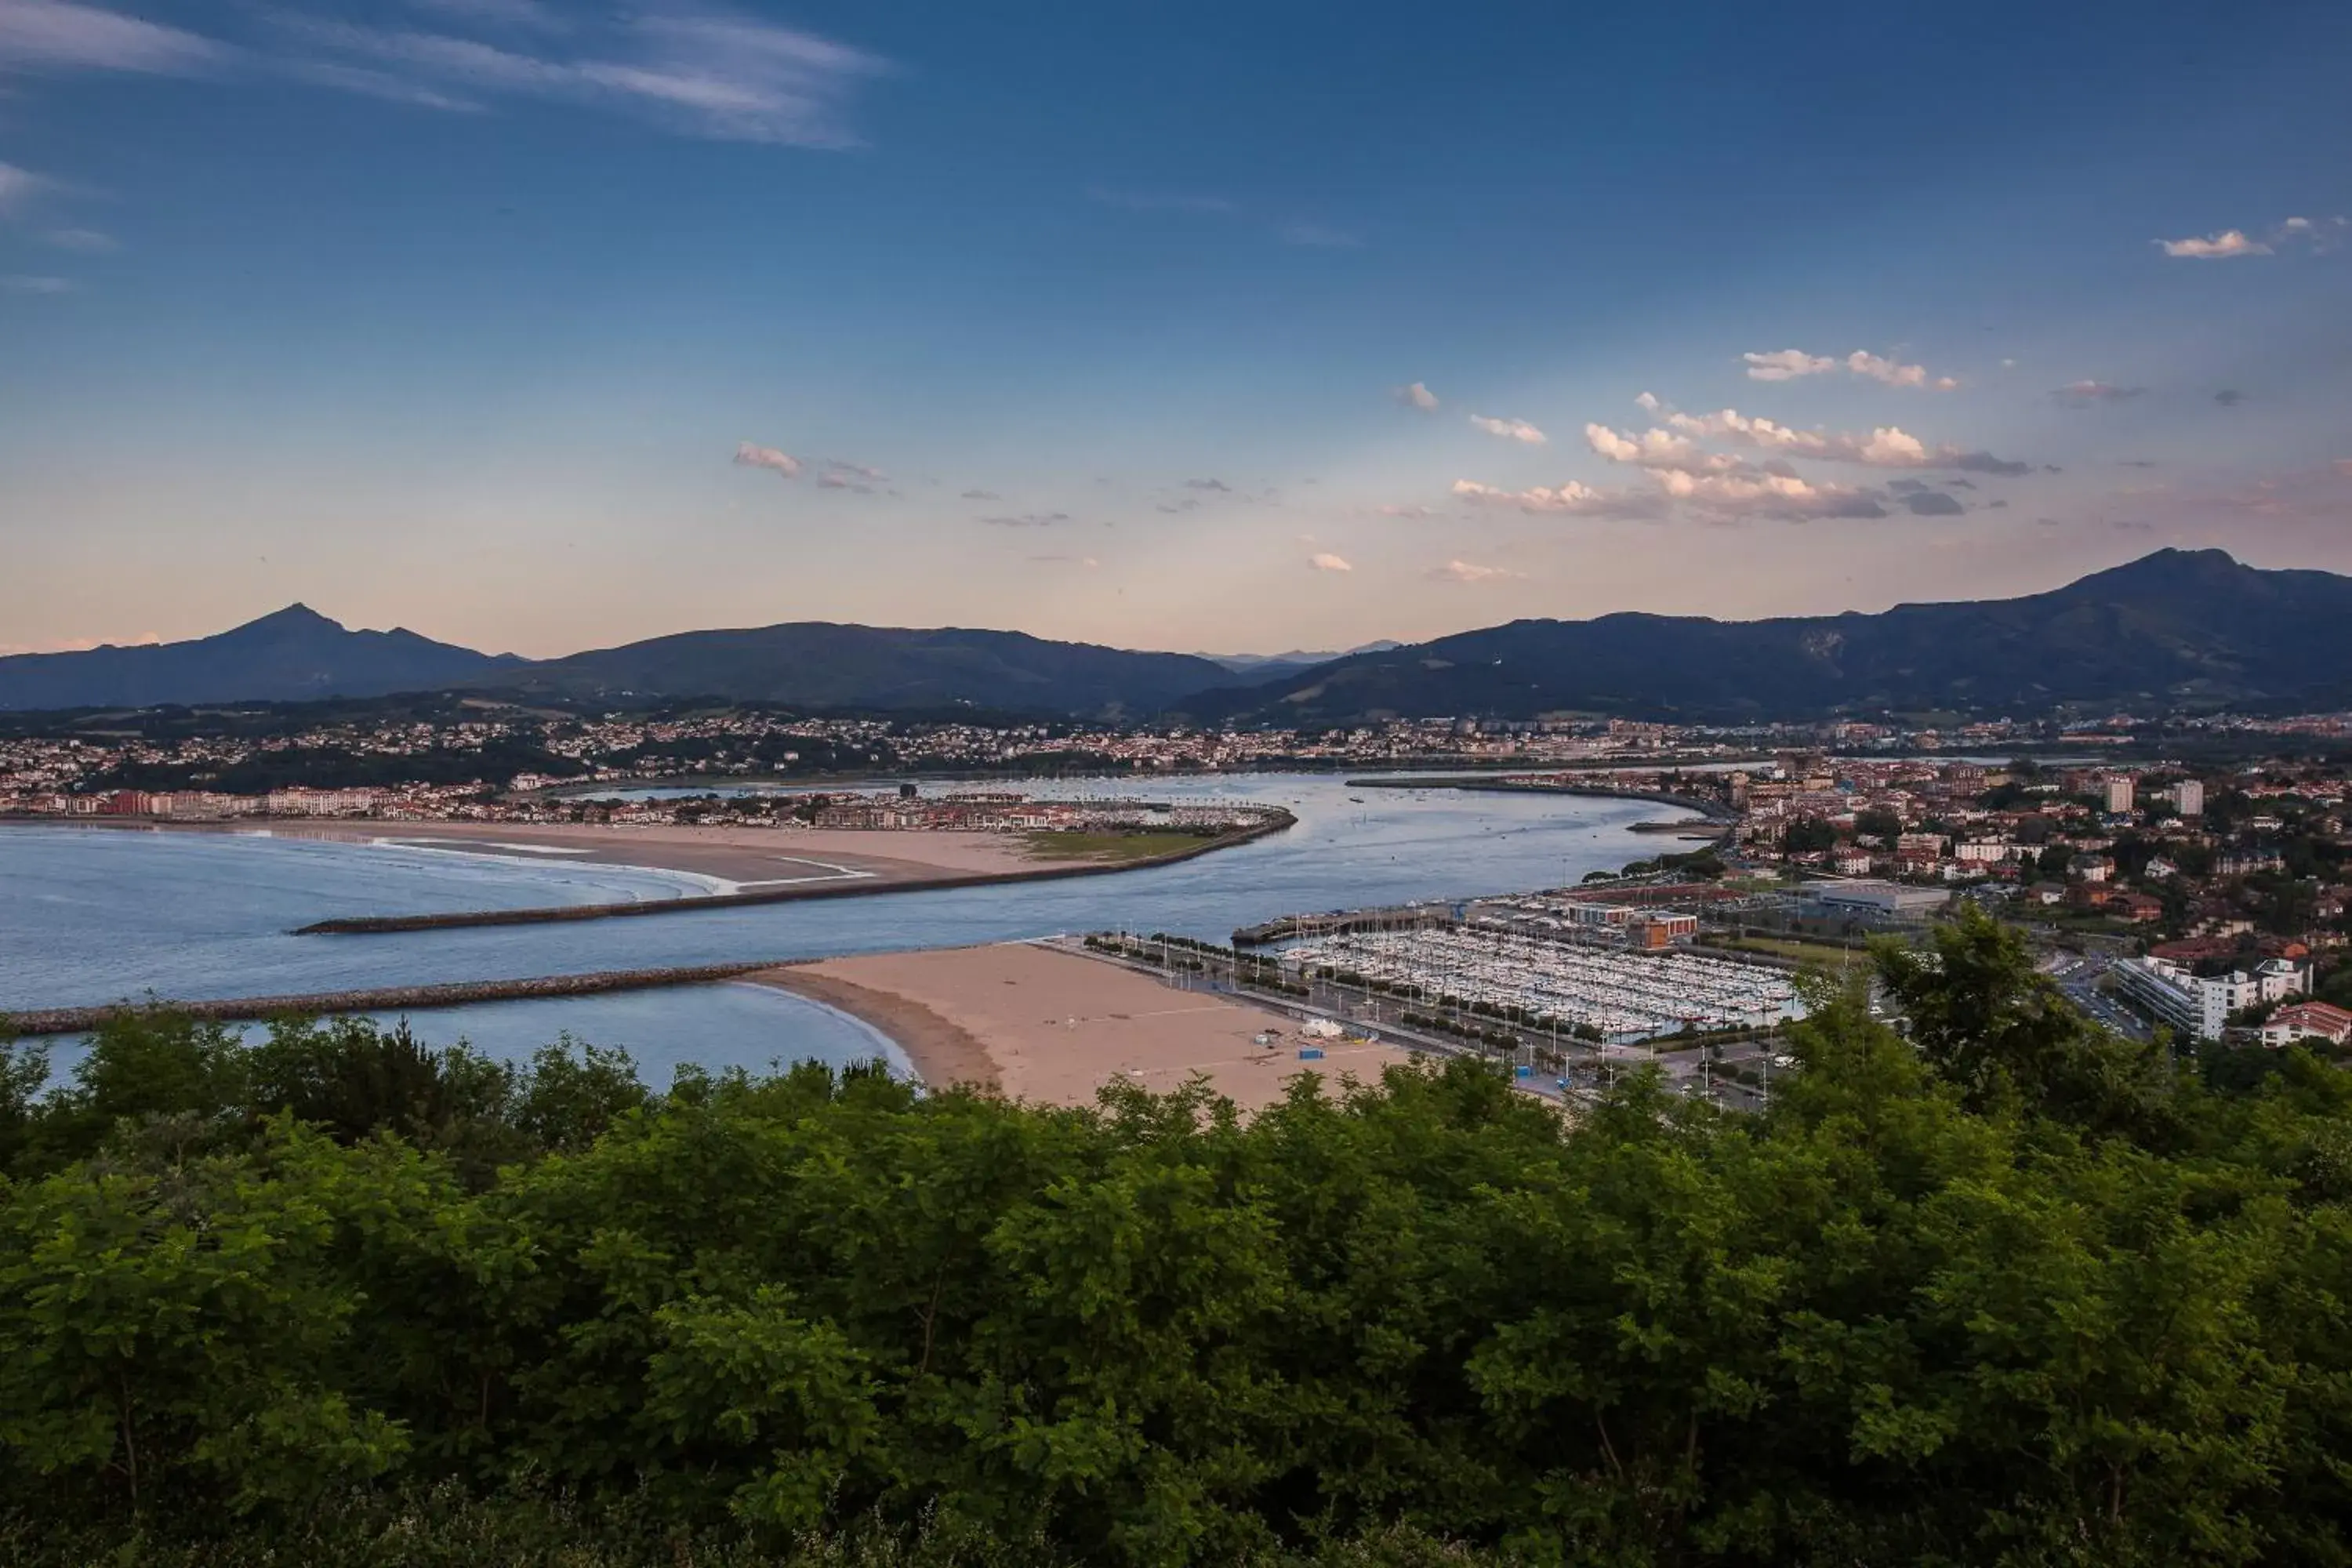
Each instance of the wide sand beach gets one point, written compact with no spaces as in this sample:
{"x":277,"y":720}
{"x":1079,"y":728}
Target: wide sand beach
{"x":1053,"y":1027}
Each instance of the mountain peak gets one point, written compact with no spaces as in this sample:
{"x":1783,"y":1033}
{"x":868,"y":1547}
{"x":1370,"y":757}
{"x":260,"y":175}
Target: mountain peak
{"x":296,"y":616}
{"x":2166,"y":568}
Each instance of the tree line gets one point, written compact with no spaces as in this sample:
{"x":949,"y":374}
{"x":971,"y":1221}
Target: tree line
{"x":1984,"y":1285}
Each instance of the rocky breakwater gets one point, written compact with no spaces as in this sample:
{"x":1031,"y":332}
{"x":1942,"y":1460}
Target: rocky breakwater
{"x":388,"y":999}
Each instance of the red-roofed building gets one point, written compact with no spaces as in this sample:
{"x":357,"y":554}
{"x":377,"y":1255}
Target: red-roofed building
{"x":2307,"y":1021}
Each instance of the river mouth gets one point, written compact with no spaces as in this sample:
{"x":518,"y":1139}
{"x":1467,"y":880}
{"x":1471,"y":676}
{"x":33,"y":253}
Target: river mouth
{"x":89,"y":919}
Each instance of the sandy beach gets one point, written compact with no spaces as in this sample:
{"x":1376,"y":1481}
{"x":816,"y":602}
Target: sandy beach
{"x":1053,"y":1027}
{"x":751,"y":857}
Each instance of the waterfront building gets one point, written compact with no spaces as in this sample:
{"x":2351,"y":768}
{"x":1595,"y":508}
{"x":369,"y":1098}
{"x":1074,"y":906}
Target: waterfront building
{"x":2200,"y":1004}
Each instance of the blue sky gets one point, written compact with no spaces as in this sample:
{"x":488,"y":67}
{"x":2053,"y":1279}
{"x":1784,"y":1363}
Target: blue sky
{"x":538,"y":325}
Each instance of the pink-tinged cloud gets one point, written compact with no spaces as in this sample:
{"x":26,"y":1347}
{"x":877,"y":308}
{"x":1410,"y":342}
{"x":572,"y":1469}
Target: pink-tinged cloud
{"x":2221,"y":247}
{"x":1466,"y":572}
{"x":1324,"y":561}
{"x":1414,"y":396}
{"x":1789,"y":364}
{"x":1510,"y":429}
{"x":750,"y":455}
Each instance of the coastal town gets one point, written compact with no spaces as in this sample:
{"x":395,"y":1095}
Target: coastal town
{"x":2210,"y":898}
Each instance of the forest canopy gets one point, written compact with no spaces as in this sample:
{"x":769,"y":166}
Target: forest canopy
{"x":1983,"y":1285}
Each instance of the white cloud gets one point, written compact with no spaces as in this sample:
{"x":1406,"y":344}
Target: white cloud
{"x":1510,"y":429}
{"x":2219,"y":246}
{"x":1729,"y":497}
{"x":750,"y":455}
{"x":1413,"y":395}
{"x":55,"y":34}
{"x":1027,"y":520}
{"x":1574,"y":499}
{"x":1648,"y":403}
{"x":1886,"y":447}
{"x":20,"y":283}
{"x":1656,"y":449}
{"x":697,"y":73}
{"x":1324,"y":561}
{"x":1465,"y":572}
{"x":1788,"y":364}
{"x":1416,"y":512}
{"x":1895,"y":374}
{"x":2231,"y":243}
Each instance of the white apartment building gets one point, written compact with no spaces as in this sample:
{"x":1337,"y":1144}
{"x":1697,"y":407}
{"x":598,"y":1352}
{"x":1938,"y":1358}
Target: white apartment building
{"x":2188,"y":798}
{"x":2199,"y":1005}
{"x":2119,"y":796}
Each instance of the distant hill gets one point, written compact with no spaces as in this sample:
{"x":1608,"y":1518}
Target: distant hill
{"x":2176,"y":625}
{"x":292,"y":655}
{"x":823,"y":665}
{"x":1259,"y":667}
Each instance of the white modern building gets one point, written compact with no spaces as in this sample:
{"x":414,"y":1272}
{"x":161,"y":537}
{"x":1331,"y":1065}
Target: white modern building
{"x":2119,"y":794}
{"x":2200,"y":1005}
{"x":2188,"y":798}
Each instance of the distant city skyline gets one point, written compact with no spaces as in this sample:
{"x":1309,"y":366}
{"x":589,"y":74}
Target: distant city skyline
{"x":537,"y":326}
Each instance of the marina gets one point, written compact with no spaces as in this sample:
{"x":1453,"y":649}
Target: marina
{"x":1610,"y":994}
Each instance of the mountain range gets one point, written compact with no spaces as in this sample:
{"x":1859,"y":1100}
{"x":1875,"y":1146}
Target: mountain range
{"x":2176,"y":626}
{"x":2172,"y":628}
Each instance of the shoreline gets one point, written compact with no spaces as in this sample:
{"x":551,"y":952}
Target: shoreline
{"x":943,"y":1053}
{"x":1040,"y":1024}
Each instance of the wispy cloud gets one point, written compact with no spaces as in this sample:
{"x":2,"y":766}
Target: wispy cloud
{"x":1466,"y":572}
{"x":1217,"y":485}
{"x":1416,"y":396}
{"x":1158,"y":201}
{"x":1510,"y":429}
{"x":514,"y":15}
{"x":57,"y":35}
{"x":1086,"y":562}
{"x":751,"y":455}
{"x":2083,"y":393}
{"x":81,"y":241}
{"x":23,"y":283}
{"x":18,"y":187}
{"x":981,"y":495}
{"x":1789,"y":364}
{"x":1317,"y":235}
{"x":1324,"y":561}
{"x":1028,"y":520}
